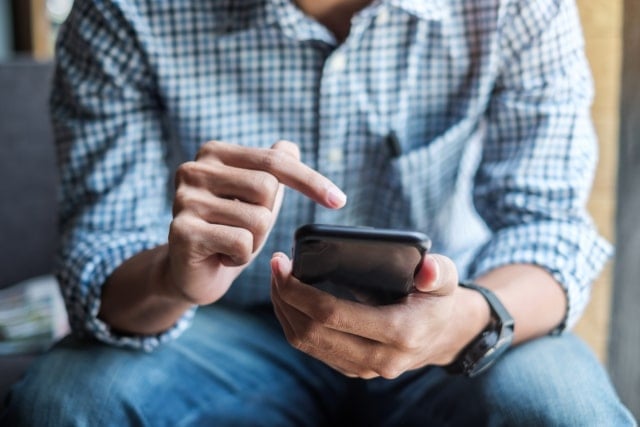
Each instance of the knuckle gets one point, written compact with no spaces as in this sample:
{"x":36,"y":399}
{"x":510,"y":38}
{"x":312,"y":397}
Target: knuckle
{"x":299,"y":344}
{"x":178,"y":228}
{"x":181,"y":233}
{"x":310,"y":333}
{"x":262,"y":220}
{"x":272,"y":159}
{"x":392,"y":368}
{"x":182,"y":201}
{"x":327,"y":314}
{"x":408,"y":342}
{"x":209,"y":148}
{"x":185,"y":172}
{"x":241,"y":245}
{"x":264,"y":183}
{"x":368,"y":375}
{"x":405,"y":336}
{"x":396,"y":324}
{"x":307,"y":338}
{"x":288,"y":147}
{"x":391,"y":373}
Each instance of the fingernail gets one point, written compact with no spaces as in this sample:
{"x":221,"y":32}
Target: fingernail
{"x":336,"y":197}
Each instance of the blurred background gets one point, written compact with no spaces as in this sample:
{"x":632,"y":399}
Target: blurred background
{"x":28,"y":29}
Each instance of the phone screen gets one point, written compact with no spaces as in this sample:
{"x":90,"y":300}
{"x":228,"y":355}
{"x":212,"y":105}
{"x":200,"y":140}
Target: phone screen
{"x":368,"y":265}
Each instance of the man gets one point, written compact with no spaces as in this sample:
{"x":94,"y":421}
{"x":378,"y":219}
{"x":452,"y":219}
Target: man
{"x":407,"y":108}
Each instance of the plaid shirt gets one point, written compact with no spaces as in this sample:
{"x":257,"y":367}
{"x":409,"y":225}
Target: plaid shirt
{"x":465,"y":119}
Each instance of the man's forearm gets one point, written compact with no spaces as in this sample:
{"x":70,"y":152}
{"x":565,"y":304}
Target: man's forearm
{"x":132,"y":300}
{"x":532,"y":296}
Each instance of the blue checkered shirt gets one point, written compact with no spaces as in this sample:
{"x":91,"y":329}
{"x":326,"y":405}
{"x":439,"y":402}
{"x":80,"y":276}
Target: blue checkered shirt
{"x":465,"y":119}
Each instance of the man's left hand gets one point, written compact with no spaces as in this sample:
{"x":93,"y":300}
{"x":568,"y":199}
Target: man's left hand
{"x":368,"y":341}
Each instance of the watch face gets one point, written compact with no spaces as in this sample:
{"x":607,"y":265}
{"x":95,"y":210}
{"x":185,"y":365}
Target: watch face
{"x":491,"y":355}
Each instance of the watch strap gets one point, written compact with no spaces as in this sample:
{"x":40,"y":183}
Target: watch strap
{"x":497,"y":309}
{"x":487,"y":346}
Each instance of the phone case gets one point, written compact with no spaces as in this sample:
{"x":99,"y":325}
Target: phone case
{"x":369,"y":265}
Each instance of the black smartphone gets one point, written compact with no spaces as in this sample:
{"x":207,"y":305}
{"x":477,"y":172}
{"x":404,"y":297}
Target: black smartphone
{"x":369,"y":265}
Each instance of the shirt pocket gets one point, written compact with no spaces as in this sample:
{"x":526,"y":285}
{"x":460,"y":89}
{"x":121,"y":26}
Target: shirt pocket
{"x":427,"y":177}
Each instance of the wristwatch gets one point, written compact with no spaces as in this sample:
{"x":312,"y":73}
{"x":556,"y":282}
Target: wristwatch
{"x":490,"y":344}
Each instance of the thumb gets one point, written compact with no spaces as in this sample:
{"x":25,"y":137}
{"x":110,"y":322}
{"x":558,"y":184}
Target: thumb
{"x":437,"y":275}
{"x":280,"y":265}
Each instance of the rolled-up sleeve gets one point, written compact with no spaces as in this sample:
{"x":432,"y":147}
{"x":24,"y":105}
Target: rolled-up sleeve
{"x":112,"y":156}
{"x":540,"y":153}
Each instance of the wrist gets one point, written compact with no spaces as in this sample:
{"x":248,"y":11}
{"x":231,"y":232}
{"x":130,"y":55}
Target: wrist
{"x":133,"y":300}
{"x":186,"y":285}
{"x":471,"y":315}
{"x":494,"y":340}
{"x":161,"y":282}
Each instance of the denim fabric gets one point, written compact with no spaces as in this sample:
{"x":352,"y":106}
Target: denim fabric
{"x":233,"y":368}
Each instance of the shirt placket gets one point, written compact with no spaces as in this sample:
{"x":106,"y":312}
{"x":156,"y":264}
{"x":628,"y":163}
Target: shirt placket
{"x":333,"y":119}
{"x":336,"y":108}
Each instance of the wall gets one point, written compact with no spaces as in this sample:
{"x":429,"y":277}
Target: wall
{"x":624,"y":336}
{"x":6,"y":41}
{"x":602,"y":23}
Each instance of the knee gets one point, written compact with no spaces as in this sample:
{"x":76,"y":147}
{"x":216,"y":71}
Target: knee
{"x":552,"y":381}
{"x":65,"y":388}
{"x":40,"y":400}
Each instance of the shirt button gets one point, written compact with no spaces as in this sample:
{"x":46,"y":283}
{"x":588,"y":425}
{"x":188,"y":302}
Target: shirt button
{"x":383,"y":16}
{"x":335,"y":156}
{"x":337,"y":62}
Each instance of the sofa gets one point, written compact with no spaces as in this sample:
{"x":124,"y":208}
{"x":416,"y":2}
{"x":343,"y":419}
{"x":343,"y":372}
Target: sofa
{"x":27,"y":186}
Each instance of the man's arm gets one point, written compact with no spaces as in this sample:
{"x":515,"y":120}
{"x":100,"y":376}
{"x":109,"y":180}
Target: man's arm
{"x":112,"y":154}
{"x":116,"y":208}
{"x":226,"y":203}
{"x":531,"y":190}
{"x":540,"y":153}
{"x":532,"y":296}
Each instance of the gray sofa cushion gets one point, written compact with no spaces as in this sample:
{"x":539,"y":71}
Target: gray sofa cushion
{"x":27,"y":185}
{"x":27,"y":172}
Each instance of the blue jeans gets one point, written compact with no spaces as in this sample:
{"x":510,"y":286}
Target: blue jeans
{"x":235,"y":368}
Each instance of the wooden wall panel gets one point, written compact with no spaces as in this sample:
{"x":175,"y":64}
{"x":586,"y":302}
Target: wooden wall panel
{"x":602,"y":24}
{"x":33,"y":31}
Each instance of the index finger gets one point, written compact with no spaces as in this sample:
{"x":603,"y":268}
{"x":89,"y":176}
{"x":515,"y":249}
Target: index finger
{"x":282,"y":161}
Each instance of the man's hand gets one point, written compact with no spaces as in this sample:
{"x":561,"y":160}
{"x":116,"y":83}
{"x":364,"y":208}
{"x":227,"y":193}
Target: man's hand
{"x":369,"y":341}
{"x":226,"y":203}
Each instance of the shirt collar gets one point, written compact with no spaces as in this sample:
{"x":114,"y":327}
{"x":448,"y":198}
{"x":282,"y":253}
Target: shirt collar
{"x":295,"y":24}
{"x":431,"y":10}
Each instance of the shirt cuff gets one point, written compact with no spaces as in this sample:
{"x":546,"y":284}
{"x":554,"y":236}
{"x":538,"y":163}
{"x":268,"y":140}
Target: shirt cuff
{"x":573,"y":253}
{"x":85,"y":267}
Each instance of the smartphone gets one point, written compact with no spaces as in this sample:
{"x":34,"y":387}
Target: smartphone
{"x":369,"y":265}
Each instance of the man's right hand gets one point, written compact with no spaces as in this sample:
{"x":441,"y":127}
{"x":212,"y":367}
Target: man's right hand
{"x":226,"y":203}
